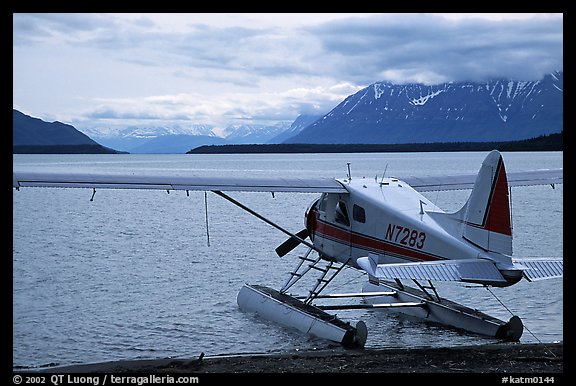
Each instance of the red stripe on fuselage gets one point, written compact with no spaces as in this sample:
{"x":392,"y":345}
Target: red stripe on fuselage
{"x":358,"y":240}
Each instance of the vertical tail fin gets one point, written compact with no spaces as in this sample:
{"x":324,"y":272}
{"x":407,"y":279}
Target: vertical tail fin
{"x":486,"y":214}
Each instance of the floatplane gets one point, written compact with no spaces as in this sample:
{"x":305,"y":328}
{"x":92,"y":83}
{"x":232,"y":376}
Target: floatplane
{"x":384,"y":227}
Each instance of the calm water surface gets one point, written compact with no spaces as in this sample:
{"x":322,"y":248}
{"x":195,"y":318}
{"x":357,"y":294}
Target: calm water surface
{"x":130,"y":275}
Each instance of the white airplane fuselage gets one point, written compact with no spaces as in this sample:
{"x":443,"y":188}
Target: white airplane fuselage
{"x":389,"y":219}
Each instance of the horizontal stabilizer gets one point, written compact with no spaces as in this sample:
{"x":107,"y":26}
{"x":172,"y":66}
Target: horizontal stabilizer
{"x":446,"y":270}
{"x":540,"y":269}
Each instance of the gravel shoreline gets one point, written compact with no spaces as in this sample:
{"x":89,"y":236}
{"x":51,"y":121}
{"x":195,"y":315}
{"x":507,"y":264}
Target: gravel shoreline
{"x":516,"y":358}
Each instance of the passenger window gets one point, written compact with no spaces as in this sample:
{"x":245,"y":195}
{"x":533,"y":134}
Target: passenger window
{"x":342,"y":214}
{"x":358,"y":213}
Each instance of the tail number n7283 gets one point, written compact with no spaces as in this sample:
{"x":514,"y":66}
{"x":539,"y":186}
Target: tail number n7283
{"x":405,"y":236}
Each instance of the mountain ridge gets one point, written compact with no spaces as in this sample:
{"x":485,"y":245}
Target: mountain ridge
{"x":498,"y":110}
{"x":382,"y":113}
{"x":33,"y":135}
{"x":153,"y":139}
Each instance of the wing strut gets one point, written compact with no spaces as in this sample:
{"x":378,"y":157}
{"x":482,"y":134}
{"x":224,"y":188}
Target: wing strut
{"x":206,"y":211}
{"x":244,"y":207}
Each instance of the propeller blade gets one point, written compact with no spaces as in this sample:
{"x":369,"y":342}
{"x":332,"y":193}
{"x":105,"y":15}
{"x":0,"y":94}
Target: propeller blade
{"x":288,"y":245}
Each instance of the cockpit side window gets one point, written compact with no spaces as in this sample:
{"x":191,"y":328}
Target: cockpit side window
{"x":323,"y":202}
{"x":342,"y":214}
{"x":358,"y":213}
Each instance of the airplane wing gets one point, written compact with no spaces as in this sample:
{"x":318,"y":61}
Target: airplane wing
{"x":272,"y":184}
{"x":466,"y":181}
{"x":144,"y":181}
{"x":483,"y":271}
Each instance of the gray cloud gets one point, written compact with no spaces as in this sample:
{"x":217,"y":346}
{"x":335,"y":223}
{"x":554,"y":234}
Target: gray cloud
{"x":112,"y":113}
{"x":265,"y":51}
{"x":259,"y":70}
{"x":468,"y":49}
{"x":355,"y":49}
{"x":32,"y":28}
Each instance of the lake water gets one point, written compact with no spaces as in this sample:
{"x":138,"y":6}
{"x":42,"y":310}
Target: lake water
{"x":130,"y":275}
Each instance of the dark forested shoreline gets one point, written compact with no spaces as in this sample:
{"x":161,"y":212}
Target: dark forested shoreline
{"x":552,"y":142}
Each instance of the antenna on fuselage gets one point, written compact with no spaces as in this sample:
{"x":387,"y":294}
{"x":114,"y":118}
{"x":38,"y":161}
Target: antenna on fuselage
{"x":349,"y":174}
{"x":384,"y":174}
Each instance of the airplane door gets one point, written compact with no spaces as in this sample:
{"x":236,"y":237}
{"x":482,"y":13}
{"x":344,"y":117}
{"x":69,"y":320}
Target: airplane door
{"x":335,"y":225}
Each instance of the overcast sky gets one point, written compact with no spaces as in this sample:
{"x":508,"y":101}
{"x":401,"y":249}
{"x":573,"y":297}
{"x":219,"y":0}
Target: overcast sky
{"x":120,"y":70}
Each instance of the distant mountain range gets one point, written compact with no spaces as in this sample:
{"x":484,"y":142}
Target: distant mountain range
{"x":179,"y":139}
{"x":246,"y":134}
{"x":174,"y":139}
{"x":386,"y":113}
{"x":382,"y":113}
{"x":301,"y":122}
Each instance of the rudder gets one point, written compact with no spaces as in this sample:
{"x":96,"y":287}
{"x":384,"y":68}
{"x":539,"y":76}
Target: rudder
{"x":486,"y":214}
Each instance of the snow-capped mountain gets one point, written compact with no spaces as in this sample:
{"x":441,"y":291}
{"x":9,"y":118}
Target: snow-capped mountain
{"x":386,"y":113}
{"x":133,"y":139}
{"x":254,"y":134}
{"x":169,"y":139}
{"x":149,"y":132}
{"x":499,"y":110}
{"x":301,"y":122}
